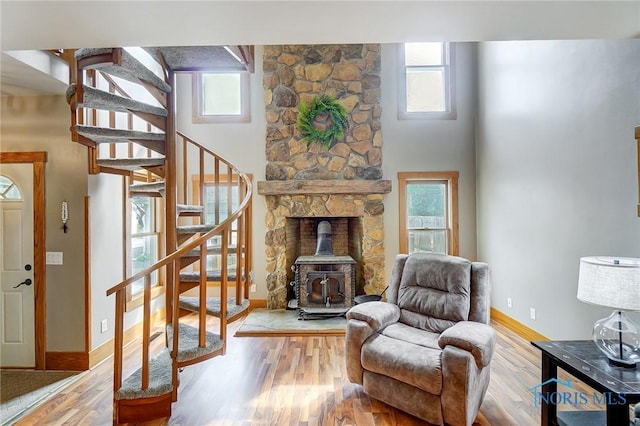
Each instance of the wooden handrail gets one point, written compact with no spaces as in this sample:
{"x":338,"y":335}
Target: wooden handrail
{"x":193,"y":244}
{"x":208,"y":151}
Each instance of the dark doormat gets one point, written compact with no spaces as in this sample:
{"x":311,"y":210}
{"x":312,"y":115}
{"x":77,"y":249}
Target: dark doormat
{"x":22,"y":390}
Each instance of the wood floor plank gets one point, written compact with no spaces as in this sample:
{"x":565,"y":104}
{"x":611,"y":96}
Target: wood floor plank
{"x":295,"y":380}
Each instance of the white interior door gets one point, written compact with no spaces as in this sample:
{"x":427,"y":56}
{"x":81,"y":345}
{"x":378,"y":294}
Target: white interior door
{"x":17,"y":327}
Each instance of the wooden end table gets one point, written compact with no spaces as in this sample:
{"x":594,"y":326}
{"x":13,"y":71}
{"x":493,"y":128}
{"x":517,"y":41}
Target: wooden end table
{"x":616,"y":386}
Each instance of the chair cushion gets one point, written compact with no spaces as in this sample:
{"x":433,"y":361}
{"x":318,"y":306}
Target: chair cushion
{"x":400,"y":331}
{"x":434,"y":291}
{"x":406,"y":362}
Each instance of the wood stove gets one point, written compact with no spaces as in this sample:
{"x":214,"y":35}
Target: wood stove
{"x":324,"y":283}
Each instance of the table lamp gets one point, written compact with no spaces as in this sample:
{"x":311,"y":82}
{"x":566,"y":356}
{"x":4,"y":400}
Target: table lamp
{"x":613,"y":282}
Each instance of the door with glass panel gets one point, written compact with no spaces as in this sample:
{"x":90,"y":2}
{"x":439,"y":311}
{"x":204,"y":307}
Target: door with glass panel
{"x":17,"y":307}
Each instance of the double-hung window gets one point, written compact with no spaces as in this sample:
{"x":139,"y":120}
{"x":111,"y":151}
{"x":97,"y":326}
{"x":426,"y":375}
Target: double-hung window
{"x":221,"y":97}
{"x":426,"y":88}
{"x":144,"y":244}
{"x":428,"y":212}
{"x":219,"y":201}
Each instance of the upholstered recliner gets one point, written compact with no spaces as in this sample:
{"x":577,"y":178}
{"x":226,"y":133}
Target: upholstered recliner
{"x":427,"y":349}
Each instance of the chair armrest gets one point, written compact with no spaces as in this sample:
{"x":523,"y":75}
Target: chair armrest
{"x":363,"y":321}
{"x":474,"y":337}
{"x":377,"y":315}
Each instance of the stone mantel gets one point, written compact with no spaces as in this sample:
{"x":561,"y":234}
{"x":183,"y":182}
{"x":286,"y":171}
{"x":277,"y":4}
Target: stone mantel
{"x":327,"y":187}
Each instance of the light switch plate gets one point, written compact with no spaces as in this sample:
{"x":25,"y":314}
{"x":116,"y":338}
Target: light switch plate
{"x":54,"y":258}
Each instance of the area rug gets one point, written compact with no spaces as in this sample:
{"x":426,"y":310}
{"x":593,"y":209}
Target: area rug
{"x":22,"y":390}
{"x":283,"y":322}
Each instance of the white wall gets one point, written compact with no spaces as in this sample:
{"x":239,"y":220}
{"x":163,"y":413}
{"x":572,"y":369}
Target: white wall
{"x":107,"y":248}
{"x":557,"y":172}
{"x":430,"y":145}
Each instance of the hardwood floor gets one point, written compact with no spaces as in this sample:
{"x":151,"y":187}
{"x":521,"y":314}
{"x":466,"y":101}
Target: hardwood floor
{"x":293,"y":380}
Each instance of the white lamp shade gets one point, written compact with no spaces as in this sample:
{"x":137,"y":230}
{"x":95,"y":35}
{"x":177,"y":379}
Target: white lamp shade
{"x":610,"y":281}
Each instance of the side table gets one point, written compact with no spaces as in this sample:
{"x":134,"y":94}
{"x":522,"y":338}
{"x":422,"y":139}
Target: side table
{"x":617,"y":387}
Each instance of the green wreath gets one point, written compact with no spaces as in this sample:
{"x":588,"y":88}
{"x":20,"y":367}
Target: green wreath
{"x":334,"y":114}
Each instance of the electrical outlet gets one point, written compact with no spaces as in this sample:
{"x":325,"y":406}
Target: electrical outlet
{"x":253,"y":288}
{"x":509,"y":303}
{"x":532,"y":313}
{"x":103,"y":326}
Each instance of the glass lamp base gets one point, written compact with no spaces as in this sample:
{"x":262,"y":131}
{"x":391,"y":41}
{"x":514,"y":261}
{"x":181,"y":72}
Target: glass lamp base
{"x":618,"y":337}
{"x":628,"y":364}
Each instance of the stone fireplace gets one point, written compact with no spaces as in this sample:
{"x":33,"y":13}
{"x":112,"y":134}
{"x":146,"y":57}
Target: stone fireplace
{"x":342,"y":183}
{"x":283,"y":248}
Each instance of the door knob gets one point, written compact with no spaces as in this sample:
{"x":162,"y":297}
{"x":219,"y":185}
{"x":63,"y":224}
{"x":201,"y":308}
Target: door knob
{"x":25,"y":282}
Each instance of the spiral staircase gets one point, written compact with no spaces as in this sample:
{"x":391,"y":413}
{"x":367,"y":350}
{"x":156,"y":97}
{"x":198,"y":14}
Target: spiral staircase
{"x":123,"y":108}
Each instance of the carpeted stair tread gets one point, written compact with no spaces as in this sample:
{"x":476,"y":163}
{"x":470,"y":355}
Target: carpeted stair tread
{"x":188,"y":348}
{"x":213,"y":250}
{"x":108,"y":135}
{"x":130,"y":69}
{"x":208,"y":58}
{"x":159,"y":379}
{"x":192,"y":229}
{"x":213,"y":275}
{"x":213,"y":305}
{"x":98,"y":99}
{"x":180,"y":208}
{"x":131,"y":164}
{"x":147,"y":187}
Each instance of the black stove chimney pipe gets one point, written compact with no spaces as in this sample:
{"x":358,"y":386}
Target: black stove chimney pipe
{"x":324,"y":246}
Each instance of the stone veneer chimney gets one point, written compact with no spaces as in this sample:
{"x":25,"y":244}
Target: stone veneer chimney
{"x":342,"y":181}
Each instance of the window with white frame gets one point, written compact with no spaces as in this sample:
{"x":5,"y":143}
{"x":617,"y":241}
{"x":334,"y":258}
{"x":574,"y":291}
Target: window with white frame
{"x":221,"y":97}
{"x":426,"y":81}
{"x":428,"y":212}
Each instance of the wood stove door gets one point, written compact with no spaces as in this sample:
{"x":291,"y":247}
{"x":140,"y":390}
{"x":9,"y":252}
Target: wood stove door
{"x":325,"y":287}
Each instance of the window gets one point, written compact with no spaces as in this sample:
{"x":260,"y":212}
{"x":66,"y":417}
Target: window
{"x":228,"y":201}
{"x":428,"y":212}
{"x":143,"y":246}
{"x":224,"y":208}
{"x":221,"y":97}
{"x":8,"y":189}
{"x":426,"y":81}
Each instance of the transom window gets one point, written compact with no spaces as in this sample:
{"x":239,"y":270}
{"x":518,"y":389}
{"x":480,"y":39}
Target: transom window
{"x":426,"y":81}
{"x":428,"y":212}
{"x":8,"y":189}
{"x":221,"y":97}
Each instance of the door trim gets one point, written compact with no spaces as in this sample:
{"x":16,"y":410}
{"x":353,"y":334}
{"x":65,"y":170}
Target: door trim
{"x":38,"y":160}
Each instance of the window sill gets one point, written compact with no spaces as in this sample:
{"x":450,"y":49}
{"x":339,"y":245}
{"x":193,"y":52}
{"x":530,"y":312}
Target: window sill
{"x":450,"y":115}
{"x":139,"y":299}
